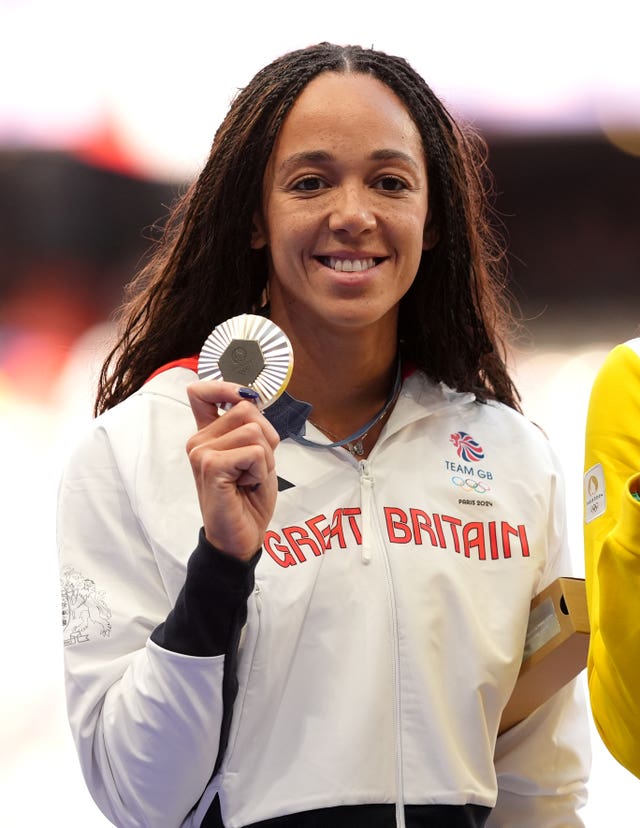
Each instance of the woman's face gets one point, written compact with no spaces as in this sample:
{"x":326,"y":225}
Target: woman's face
{"x":345,"y":206}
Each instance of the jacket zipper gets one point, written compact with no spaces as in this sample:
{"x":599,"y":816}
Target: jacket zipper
{"x":369,"y":530}
{"x":366,"y":483}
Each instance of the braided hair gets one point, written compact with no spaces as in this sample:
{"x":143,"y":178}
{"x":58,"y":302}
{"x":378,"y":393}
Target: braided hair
{"x":454,"y":319}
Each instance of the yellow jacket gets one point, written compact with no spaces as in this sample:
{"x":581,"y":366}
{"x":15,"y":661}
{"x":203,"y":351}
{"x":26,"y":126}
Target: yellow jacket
{"x":612,"y":550}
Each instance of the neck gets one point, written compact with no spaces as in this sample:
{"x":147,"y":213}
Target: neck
{"x":360,"y":442}
{"x":347,"y":381}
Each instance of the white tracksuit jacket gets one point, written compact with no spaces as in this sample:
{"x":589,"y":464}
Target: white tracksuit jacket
{"x":381,"y":629}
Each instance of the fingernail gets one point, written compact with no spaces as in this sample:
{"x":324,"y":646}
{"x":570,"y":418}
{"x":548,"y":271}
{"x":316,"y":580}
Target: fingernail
{"x":248,"y":394}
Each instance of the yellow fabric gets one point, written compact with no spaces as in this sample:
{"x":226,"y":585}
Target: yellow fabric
{"x":612,"y":550}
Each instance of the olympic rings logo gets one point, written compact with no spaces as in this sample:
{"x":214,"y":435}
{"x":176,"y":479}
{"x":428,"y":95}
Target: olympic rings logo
{"x":468,"y":485}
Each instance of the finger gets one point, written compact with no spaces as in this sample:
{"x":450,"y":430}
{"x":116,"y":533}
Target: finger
{"x":242,"y":425}
{"x":206,"y":396}
{"x":245,"y":434}
{"x":243,"y":414}
{"x":217,"y":470}
{"x":242,"y":455}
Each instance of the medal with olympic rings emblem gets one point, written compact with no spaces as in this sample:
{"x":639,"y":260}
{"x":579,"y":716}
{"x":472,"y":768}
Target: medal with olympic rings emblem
{"x":252,"y":351}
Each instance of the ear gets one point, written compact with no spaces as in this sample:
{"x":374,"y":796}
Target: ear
{"x":258,"y":233}
{"x":430,"y":236}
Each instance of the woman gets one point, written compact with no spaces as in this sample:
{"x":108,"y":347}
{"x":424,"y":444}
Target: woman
{"x":612,"y":546}
{"x":340,"y":645}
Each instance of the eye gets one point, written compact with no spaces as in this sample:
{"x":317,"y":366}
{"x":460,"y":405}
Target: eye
{"x":310,"y":184}
{"x":391,"y":184}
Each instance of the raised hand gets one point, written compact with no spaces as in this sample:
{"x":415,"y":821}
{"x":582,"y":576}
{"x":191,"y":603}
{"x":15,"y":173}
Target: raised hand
{"x":233,"y":463}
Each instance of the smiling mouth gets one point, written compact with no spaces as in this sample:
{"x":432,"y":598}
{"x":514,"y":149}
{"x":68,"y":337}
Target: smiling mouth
{"x":348,"y":265}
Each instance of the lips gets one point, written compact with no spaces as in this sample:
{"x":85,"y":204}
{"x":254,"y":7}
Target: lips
{"x":344,"y":265}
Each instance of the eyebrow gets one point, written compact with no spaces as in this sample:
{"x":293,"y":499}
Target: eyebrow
{"x":322,"y":156}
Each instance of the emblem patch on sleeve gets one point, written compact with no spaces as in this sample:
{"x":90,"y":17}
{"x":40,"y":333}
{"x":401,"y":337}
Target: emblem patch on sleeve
{"x":595,"y":494}
{"x":85,"y":613}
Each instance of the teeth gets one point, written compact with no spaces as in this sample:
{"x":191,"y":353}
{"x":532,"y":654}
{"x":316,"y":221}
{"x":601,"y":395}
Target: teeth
{"x":349,"y":265}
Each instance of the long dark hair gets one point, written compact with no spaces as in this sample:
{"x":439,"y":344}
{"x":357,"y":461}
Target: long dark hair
{"x":453,"y":321}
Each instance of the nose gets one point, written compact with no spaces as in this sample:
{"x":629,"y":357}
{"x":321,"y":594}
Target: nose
{"x":352,"y":210}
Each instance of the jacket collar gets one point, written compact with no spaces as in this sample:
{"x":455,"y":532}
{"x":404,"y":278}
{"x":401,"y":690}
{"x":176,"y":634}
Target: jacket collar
{"x":419,"y":397}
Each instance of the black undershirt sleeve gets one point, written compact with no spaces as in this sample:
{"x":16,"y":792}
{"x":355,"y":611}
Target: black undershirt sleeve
{"x":211,"y":607}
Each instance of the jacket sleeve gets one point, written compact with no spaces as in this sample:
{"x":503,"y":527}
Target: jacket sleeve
{"x":612,"y":553}
{"x":144,"y":680}
{"x":542,"y":764}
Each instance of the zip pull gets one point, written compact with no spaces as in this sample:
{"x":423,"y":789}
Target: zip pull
{"x":366,"y":483}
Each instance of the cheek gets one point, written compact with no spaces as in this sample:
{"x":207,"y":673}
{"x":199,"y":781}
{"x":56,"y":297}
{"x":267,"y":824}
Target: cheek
{"x":413,"y":232}
{"x":284,"y":244}
{"x":286,"y":250}
{"x":406,"y":222}
{"x":292,"y":235}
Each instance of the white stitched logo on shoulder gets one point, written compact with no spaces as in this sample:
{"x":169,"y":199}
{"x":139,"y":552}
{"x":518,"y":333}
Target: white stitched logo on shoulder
{"x":84,"y":611}
{"x":595,"y":494}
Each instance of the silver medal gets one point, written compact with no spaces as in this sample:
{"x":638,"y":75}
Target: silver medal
{"x":252,"y":351}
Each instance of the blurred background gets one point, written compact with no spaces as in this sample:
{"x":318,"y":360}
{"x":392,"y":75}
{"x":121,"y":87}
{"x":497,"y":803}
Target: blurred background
{"x":108,"y":110}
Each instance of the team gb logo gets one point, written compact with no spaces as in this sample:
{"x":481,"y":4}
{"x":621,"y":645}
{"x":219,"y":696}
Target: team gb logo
{"x":468,"y":449}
